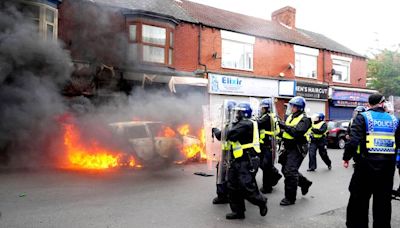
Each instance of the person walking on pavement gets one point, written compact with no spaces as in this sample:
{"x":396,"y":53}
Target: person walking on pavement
{"x":295,"y":149}
{"x":376,"y":133}
{"x":244,"y":138}
{"x":271,"y":175}
{"x":318,"y":142}
{"x":222,"y":189}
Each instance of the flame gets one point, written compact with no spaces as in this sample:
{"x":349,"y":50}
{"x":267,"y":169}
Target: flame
{"x":196,"y":150}
{"x":91,"y":155}
{"x":167,"y":132}
{"x":184,"y":129}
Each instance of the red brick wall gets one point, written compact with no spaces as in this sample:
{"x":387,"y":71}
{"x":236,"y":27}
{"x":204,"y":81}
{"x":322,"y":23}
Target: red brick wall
{"x":186,"y":47}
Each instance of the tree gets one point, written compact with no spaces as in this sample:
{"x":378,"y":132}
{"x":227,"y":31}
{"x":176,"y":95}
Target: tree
{"x":384,"y":72}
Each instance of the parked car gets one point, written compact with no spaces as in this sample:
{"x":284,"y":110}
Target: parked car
{"x":336,"y":133}
{"x":144,"y":139}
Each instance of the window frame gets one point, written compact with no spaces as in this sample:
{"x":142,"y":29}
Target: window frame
{"x":43,"y":23}
{"x":140,"y":43}
{"x":342,"y":61}
{"x":241,"y":39}
{"x":307,"y":52}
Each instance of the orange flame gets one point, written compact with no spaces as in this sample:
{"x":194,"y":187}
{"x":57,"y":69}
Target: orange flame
{"x":91,"y":155}
{"x":167,"y":132}
{"x":184,"y":129}
{"x":197,"y":149}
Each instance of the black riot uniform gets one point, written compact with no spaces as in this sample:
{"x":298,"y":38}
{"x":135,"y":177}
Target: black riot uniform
{"x":271,"y":175}
{"x":291,"y":159}
{"x":242,"y":171}
{"x":373,"y":175}
{"x":318,"y":142}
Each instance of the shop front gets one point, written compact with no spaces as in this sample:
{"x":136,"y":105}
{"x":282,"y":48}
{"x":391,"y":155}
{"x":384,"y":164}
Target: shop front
{"x":343,"y":100}
{"x":316,"y":95}
{"x":239,"y":89}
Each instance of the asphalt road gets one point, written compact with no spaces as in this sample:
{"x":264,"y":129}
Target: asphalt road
{"x":172,"y":197}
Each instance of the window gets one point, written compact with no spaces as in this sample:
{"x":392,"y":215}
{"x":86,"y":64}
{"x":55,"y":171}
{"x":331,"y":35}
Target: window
{"x":237,"y":51}
{"x":157,"y":47}
{"x":341,"y":67}
{"x":306,"y":61}
{"x":43,"y":16}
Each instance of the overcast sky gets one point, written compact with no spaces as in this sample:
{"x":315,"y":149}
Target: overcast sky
{"x":358,"y":24}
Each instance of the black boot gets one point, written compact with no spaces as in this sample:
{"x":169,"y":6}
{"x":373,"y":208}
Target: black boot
{"x":234,"y":215}
{"x":305,"y":188}
{"x":264,"y":209}
{"x":275,"y":179}
{"x":265,"y":190}
{"x":220,"y":200}
{"x":286,"y":202}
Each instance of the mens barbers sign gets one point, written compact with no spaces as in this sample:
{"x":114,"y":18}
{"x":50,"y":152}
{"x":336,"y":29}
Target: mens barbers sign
{"x":308,"y":90}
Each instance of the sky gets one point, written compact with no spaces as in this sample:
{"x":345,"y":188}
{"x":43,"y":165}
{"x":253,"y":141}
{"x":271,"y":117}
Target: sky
{"x":357,"y":24}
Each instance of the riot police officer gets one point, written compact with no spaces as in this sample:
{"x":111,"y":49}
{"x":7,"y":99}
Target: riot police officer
{"x":222,"y":191}
{"x":295,"y":149}
{"x":271,"y":175}
{"x":244,"y":138}
{"x":376,"y":133}
{"x":318,"y":142}
{"x":357,"y":110}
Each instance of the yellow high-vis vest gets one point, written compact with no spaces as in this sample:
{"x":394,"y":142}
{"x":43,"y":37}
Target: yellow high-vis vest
{"x":238,"y":148}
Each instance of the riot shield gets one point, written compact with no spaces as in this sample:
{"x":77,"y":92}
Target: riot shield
{"x":274,"y":129}
{"x":227,"y":118}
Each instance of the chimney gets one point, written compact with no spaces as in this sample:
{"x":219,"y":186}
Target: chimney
{"x":286,"y":16}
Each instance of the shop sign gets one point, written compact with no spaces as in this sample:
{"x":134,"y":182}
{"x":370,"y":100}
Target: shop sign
{"x":232,"y":85}
{"x":350,"y":96}
{"x":308,"y":90}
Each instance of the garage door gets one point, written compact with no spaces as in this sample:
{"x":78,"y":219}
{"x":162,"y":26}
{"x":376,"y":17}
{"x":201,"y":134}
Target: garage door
{"x":315,"y":106}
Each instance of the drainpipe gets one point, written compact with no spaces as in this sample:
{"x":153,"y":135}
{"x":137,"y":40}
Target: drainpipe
{"x":199,"y":50}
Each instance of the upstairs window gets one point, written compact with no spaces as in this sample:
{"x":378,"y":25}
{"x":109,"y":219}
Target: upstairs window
{"x":156,"y":43}
{"x":306,"y":62}
{"x":44,"y":17}
{"x":341,"y":69}
{"x":237,"y":51}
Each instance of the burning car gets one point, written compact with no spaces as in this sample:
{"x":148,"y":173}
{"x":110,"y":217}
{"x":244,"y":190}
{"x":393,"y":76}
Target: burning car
{"x":153,"y":141}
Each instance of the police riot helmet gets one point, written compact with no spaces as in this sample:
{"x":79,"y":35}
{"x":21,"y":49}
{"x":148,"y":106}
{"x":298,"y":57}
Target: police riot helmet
{"x":321,"y":116}
{"x":230,"y":105}
{"x":298,"y":102}
{"x":360,"y":109}
{"x":244,"y":108}
{"x":266,"y":103}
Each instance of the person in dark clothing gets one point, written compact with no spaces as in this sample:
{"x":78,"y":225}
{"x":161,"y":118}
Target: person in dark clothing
{"x":271,"y":175}
{"x":295,"y":149}
{"x":318,"y":142}
{"x":375,"y":133}
{"x":244,"y":138}
{"x":357,"y":110}
{"x":222,"y":189}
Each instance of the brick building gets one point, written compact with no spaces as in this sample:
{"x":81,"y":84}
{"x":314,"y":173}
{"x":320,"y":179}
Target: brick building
{"x":227,"y":55}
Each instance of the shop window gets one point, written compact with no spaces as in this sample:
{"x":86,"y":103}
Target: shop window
{"x":341,"y":69}
{"x":44,"y":17}
{"x":237,"y":51}
{"x":156,"y":43}
{"x":306,"y":62}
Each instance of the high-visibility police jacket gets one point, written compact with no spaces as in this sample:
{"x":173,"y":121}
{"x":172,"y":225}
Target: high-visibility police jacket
{"x":380,"y":128}
{"x":237,"y":147}
{"x":318,"y":126}
{"x":270,"y":132}
{"x":292,"y":122}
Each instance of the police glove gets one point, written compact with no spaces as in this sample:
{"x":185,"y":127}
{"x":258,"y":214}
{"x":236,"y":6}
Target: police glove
{"x":214,"y":129}
{"x":282,"y":125}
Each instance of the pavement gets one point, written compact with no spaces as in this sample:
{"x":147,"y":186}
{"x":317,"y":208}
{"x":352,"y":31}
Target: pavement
{"x":171,"y":197}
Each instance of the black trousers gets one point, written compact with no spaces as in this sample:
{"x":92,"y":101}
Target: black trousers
{"x":371,"y":178}
{"x":291,"y":161}
{"x":270,"y":173}
{"x":222,"y":189}
{"x":242,"y":184}
{"x":319,"y":145}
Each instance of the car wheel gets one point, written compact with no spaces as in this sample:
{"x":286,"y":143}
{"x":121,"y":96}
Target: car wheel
{"x":341,"y":143}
